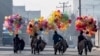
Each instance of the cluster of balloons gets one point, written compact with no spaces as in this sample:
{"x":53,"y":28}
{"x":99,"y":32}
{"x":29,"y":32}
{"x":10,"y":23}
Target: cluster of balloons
{"x":57,"y":20}
{"x":60,"y":20}
{"x":87,"y":24}
{"x":13,"y":24}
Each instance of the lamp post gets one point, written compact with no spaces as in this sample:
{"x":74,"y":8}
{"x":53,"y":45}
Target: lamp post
{"x":80,"y":8}
{"x":64,"y":5}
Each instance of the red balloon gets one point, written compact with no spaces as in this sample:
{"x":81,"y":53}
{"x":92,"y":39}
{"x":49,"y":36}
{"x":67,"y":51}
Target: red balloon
{"x":92,"y":20}
{"x":58,"y":11}
{"x":56,"y":20}
{"x":86,"y":17}
{"x":79,"y":18}
{"x":69,"y":21}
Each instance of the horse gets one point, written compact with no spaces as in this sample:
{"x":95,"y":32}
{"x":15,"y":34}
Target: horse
{"x":34,"y":45}
{"x":37,"y":47}
{"x":84,"y":44}
{"x":61,"y":46}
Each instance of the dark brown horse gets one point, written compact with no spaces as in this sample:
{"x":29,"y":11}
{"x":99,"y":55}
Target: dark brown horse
{"x":35,"y":47}
{"x":84,"y":44}
{"x":61,"y":46}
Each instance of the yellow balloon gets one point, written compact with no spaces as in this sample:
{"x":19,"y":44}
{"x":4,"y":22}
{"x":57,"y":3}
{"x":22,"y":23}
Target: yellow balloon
{"x":50,"y":20}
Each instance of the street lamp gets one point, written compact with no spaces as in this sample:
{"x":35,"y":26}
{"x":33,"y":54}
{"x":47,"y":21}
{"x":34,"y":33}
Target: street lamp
{"x":63,"y":5}
{"x":79,"y":7}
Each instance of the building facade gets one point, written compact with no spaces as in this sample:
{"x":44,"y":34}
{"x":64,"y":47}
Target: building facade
{"x":5,"y":9}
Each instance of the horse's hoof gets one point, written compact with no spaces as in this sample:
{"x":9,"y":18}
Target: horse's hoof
{"x":34,"y":53}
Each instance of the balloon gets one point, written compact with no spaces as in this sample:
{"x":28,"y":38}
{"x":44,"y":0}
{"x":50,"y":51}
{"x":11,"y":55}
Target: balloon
{"x":65,"y":16}
{"x":50,"y":20}
{"x":4,"y":28}
{"x":86,"y":24}
{"x":19,"y":31}
{"x":11,"y":33}
{"x":58,"y":11}
{"x":69,"y":21}
{"x":6,"y":24}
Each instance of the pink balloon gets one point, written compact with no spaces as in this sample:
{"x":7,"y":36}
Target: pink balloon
{"x":6,"y":24}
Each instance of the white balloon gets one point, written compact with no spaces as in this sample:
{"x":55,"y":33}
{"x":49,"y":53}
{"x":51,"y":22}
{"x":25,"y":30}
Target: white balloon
{"x":4,"y":28}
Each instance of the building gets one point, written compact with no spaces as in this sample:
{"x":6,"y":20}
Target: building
{"x":5,"y":9}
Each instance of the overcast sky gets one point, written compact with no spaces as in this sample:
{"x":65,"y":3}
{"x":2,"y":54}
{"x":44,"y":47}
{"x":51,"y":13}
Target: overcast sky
{"x":46,"y":6}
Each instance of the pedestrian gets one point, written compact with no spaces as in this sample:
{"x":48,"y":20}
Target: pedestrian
{"x":16,"y":42}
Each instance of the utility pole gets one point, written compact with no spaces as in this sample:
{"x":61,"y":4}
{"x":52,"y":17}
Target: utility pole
{"x":93,"y":7}
{"x":80,"y":8}
{"x":63,"y":5}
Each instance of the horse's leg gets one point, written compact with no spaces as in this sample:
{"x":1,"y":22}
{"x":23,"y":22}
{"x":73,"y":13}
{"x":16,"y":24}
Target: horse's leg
{"x":59,"y":50}
{"x":31,"y":46}
{"x":55,"y":51}
{"x":32,"y":50}
{"x":38,"y":50}
{"x":80,"y":51}
{"x":86,"y":48}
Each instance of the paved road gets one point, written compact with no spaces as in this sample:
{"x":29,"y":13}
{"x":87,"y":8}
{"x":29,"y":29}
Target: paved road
{"x":69,"y":52}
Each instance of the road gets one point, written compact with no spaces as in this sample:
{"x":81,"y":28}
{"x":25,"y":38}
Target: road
{"x":69,"y":52}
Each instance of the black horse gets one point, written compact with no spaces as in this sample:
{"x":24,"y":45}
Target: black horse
{"x":61,"y":46}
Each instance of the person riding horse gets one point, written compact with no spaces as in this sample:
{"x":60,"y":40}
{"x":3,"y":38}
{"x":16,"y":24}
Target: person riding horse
{"x":56,"y":38}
